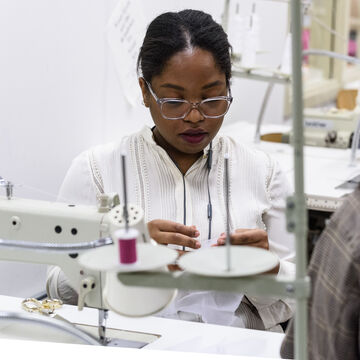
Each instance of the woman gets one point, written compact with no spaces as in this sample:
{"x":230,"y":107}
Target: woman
{"x":176,"y":169}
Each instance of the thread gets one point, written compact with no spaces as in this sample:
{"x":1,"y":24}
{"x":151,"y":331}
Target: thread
{"x":125,"y":241}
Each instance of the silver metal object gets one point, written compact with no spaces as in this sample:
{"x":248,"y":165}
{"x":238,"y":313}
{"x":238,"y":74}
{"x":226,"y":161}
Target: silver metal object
{"x":301,"y":323}
{"x":225,"y":16}
{"x":355,"y":145}
{"x":50,"y":323}
{"x":126,"y":214}
{"x":332,"y":54}
{"x":268,"y":92}
{"x":227,"y":200}
{"x":58,"y":247}
{"x":9,"y":186}
{"x":103,"y":315}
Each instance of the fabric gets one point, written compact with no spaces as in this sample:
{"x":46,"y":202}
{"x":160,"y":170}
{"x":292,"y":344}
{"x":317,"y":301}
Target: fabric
{"x":334,"y":307}
{"x":257,"y":200}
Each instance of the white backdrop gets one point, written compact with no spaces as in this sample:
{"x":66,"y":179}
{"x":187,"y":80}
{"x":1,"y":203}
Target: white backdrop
{"x":59,"y":94}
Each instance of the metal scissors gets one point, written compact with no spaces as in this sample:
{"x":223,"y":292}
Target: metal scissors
{"x":45,"y":307}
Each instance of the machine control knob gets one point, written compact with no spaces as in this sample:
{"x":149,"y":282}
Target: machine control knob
{"x":331,"y":137}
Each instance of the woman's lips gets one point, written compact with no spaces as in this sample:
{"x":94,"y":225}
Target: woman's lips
{"x":193,"y":138}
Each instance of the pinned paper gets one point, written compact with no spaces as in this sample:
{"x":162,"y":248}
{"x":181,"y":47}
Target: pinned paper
{"x":125,"y":32}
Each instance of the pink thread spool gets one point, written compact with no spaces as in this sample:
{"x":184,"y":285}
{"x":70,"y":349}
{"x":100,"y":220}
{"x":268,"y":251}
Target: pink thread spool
{"x":126,"y":245}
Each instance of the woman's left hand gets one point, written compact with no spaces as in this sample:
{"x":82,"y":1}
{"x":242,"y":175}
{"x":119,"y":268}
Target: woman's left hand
{"x":250,"y":237}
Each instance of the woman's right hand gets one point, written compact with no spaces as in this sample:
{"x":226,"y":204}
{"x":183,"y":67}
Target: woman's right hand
{"x":168,"y":232}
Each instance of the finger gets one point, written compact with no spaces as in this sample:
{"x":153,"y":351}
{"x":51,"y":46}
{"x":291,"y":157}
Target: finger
{"x":240,"y":231}
{"x":178,"y":239}
{"x":171,"y":226}
{"x":174,"y":267}
{"x":246,"y":237}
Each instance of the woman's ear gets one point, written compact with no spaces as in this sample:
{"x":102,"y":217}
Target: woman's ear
{"x":145,"y":91}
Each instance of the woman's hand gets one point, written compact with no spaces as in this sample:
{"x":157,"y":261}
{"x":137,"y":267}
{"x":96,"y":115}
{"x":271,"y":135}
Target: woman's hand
{"x":250,"y":237}
{"x":168,"y":232}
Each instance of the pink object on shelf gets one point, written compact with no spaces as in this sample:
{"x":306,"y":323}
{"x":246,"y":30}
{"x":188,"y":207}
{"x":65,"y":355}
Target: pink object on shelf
{"x":306,"y":42}
{"x":352,"y":47}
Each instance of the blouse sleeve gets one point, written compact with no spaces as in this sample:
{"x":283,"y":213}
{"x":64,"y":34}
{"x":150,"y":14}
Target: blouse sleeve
{"x":272,"y":310}
{"x":78,"y":186}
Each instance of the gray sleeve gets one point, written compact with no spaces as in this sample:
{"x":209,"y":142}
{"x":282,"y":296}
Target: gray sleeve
{"x":58,"y":286}
{"x":287,"y":346}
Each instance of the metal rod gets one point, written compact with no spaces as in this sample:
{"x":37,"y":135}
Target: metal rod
{"x":126,"y":214}
{"x":9,"y":190}
{"x":103,"y":316}
{"x":225,"y":16}
{"x":67,"y":248}
{"x":276,"y":78}
{"x":227,"y":200}
{"x":262,"y":111}
{"x":355,"y":144}
{"x":332,"y":54}
{"x":298,"y":142}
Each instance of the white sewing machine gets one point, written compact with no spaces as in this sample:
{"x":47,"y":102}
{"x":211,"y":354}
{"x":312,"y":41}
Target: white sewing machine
{"x":58,"y":234}
{"x":330,"y":127}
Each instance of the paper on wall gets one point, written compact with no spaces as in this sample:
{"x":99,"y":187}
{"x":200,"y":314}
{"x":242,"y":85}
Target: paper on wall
{"x":125,"y":32}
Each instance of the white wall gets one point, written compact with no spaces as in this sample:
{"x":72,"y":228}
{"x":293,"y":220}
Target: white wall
{"x":59,"y":94}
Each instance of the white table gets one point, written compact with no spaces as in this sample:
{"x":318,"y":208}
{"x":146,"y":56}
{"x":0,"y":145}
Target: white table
{"x":176,"y":335}
{"x":324,"y":168}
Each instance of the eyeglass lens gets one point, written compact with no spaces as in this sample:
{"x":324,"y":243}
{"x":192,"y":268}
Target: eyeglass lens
{"x":177,"y":109}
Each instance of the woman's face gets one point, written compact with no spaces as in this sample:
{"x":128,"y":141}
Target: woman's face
{"x":194,"y":76}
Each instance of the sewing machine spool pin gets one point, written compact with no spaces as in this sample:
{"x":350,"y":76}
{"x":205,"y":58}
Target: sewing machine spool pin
{"x":9,"y":186}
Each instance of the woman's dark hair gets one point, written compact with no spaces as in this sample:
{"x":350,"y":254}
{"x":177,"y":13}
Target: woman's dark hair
{"x":172,"y":32}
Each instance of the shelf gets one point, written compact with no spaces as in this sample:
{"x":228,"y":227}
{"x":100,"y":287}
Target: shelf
{"x":262,"y":74}
{"x":267,"y":285}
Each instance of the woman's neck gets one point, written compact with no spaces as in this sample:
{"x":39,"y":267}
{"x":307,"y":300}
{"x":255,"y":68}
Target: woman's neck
{"x":182,"y":160}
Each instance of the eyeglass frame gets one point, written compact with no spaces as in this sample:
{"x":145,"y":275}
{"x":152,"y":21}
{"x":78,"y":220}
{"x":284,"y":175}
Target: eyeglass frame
{"x":161,"y":101}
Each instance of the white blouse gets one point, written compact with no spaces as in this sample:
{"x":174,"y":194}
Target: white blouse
{"x":258,"y":190}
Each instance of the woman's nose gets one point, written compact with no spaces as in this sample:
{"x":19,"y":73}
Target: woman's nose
{"x":194,"y":115}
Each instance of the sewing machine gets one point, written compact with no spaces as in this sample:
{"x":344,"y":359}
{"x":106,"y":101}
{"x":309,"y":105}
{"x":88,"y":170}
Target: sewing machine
{"x":330,"y":127}
{"x":58,"y":234}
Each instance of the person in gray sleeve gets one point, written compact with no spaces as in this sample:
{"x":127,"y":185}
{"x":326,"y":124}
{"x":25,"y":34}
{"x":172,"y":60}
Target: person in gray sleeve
{"x":334,"y":307}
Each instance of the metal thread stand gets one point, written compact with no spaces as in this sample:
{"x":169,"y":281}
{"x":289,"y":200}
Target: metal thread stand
{"x":298,"y":288}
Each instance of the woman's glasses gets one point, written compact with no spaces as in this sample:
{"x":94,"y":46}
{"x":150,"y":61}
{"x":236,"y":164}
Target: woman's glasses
{"x":176,"y":109}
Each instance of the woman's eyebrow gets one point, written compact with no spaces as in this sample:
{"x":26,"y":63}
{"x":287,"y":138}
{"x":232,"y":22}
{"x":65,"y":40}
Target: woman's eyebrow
{"x":172,"y":86}
{"x":177,"y":87}
{"x":214,"y":83}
